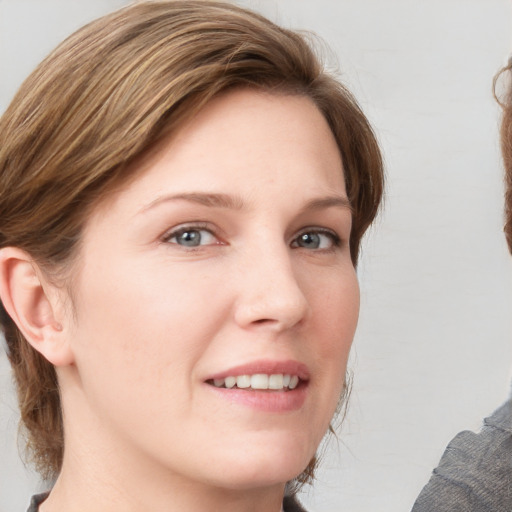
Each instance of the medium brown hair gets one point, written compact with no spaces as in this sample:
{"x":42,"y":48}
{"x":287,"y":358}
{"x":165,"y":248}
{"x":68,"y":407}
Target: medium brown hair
{"x":108,"y":94}
{"x":503,"y":81}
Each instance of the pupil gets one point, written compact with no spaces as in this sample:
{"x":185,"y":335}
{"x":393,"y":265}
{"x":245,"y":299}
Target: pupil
{"x":310,"y":240}
{"x":190,"y":238}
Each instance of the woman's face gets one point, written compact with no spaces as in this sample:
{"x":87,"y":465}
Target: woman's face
{"x":221,"y":270}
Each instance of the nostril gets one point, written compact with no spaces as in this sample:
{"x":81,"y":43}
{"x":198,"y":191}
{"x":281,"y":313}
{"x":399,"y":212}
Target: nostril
{"x":263,"y":320}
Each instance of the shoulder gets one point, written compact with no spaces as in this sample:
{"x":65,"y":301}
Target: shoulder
{"x":291,"y":504}
{"x":475,"y":472}
{"x":36,"y":501}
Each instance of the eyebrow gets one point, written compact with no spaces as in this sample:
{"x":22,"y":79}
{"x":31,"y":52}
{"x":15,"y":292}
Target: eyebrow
{"x":210,"y":200}
{"x":236,"y":203}
{"x":323,"y":203}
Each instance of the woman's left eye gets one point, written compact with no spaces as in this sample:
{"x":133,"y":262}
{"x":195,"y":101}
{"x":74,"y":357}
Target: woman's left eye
{"x":315,"y":239}
{"x":191,"y":237}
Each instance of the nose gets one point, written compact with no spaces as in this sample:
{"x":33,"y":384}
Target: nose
{"x":269,"y":294}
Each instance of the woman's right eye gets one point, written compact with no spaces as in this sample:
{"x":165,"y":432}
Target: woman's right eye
{"x":191,"y":237}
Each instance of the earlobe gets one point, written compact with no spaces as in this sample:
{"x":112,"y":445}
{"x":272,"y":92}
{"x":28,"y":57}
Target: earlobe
{"x":33,"y":305}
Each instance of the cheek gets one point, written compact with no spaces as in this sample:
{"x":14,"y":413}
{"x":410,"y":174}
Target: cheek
{"x":139,"y":322}
{"x":336,"y":312}
{"x":335,"y":320}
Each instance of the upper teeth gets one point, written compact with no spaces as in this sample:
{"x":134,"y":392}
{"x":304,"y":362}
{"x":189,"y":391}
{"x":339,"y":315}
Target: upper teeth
{"x":259,"y":381}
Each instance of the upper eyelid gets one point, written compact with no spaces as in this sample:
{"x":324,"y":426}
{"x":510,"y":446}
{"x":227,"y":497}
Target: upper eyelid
{"x":318,"y":229}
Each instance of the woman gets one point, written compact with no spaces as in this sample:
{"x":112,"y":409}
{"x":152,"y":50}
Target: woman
{"x":184,"y":192}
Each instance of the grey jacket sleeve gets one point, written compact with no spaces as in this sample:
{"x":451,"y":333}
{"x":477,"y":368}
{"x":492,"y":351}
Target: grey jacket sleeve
{"x":475,"y":472}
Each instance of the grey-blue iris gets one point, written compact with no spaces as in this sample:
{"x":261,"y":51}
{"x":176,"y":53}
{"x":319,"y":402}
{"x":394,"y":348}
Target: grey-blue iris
{"x":309,"y":240}
{"x":189,"y":238}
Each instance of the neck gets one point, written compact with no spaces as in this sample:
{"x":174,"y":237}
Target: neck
{"x":84,"y":495}
{"x":101,"y":471}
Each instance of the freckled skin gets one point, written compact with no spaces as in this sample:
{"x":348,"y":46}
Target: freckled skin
{"x":154,"y":318}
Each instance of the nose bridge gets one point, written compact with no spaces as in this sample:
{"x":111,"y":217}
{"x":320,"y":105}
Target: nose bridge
{"x":269,"y":291}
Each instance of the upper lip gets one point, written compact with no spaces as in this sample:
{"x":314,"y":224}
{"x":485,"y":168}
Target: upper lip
{"x":265,"y":366}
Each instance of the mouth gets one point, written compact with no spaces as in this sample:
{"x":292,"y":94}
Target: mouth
{"x":259,"y":382}
{"x":266,"y":392}
{"x":265,"y":385}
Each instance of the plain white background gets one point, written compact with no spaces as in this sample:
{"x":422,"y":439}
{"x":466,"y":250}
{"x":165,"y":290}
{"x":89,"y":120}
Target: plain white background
{"x":433,"y":352}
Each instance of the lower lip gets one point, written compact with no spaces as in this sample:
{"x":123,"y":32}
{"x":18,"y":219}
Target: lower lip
{"x":266,"y":401}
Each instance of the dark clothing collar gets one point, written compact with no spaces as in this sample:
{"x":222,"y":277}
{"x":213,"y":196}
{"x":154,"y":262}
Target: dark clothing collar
{"x":290,"y":504}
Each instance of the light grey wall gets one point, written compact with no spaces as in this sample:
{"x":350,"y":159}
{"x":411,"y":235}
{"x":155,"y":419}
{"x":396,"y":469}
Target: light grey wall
{"x":433,"y":352}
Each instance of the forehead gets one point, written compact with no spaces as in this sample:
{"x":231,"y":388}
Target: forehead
{"x":241,"y":140}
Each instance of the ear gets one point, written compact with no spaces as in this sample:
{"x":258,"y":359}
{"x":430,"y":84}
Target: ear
{"x":35,"y":306}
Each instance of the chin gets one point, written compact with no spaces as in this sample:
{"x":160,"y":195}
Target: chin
{"x":272,"y":464}
{"x":260,"y":478}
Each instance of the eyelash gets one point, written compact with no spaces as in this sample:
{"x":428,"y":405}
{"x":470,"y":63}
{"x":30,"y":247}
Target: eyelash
{"x":176,"y":232}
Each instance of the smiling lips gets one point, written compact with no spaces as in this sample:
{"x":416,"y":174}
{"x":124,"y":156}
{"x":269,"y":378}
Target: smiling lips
{"x":259,"y":381}
{"x":262,"y":375}
{"x":264,"y":385}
